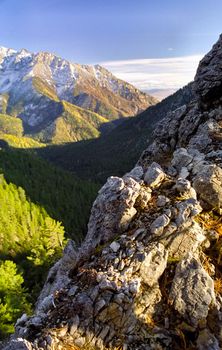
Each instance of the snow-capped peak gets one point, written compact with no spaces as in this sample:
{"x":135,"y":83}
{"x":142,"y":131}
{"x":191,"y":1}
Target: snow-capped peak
{"x":4,"y":52}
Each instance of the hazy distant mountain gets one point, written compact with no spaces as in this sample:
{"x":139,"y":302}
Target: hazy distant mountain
{"x":160,"y":94}
{"x":41,"y":88}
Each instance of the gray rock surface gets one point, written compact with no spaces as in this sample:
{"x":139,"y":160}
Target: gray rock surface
{"x":192,"y":292}
{"x":208,"y":184}
{"x":154,"y":175}
{"x":154,"y":264}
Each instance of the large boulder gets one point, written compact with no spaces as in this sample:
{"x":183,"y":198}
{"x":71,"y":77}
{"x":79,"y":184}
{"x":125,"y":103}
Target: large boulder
{"x":192,"y":292}
{"x":208,"y":185}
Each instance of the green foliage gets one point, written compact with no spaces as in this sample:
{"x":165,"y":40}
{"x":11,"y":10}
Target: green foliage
{"x":20,"y":142}
{"x":11,"y":125}
{"x":65,"y":197}
{"x":74,"y":124}
{"x":25,"y":226}
{"x":29,"y":237}
{"x":13,"y":297}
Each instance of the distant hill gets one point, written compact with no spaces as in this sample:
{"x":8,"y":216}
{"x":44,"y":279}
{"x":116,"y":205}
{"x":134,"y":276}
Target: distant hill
{"x":160,"y":94}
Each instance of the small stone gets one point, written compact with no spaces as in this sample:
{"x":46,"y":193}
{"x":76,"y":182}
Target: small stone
{"x":74,"y":325}
{"x":161,"y":201}
{"x":182,"y":185}
{"x":140,"y":257}
{"x":99,"y":306}
{"x":18,"y":344}
{"x":158,"y":225}
{"x":136,"y":173}
{"x":184,"y":173}
{"x":115,"y":246}
{"x":181,"y":158}
{"x":187,"y":209}
{"x":154,"y":175}
{"x":108,"y":285}
{"x":134,"y":286}
{"x":137,"y":233}
{"x":94,"y":293}
{"x":36,"y":321}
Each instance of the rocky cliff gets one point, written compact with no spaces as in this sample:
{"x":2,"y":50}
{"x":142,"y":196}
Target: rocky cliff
{"x":148,"y":275}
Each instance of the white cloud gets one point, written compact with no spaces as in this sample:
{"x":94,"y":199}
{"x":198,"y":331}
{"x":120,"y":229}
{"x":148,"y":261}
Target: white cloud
{"x":156,"y":73}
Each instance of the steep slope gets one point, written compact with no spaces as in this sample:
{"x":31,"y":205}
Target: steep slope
{"x":73,"y":124}
{"x":32,"y":87}
{"x":30,"y":241}
{"x":148,"y":275}
{"x":118,"y":150}
{"x":65,"y":197}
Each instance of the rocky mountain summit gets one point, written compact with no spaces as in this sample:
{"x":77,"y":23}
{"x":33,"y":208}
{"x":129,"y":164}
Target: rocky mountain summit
{"x":148,"y":275}
{"x":40,"y":87}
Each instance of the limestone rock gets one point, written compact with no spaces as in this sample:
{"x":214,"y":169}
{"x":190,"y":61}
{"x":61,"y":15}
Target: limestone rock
{"x":154,"y":264}
{"x":154,"y":175}
{"x":208,"y":185}
{"x":159,"y":224}
{"x":207,"y":341}
{"x":112,"y":211}
{"x":183,"y":186}
{"x":136,"y":173}
{"x":180,"y":242}
{"x":192,"y":292}
{"x":19,"y":344}
{"x":187,"y":209}
{"x":181,"y":159}
{"x":161,"y":201}
{"x":115,"y":246}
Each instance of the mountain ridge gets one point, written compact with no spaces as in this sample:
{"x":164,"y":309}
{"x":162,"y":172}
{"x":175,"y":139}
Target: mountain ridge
{"x":32,"y":86}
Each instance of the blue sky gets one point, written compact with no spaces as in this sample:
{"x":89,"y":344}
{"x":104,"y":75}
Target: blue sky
{"x":95,"y":31}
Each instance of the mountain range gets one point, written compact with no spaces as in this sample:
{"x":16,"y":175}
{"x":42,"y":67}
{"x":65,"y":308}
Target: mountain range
{"x":59,"y":101}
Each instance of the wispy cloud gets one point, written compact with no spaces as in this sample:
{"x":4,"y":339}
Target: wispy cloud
{"x":159,"y":73}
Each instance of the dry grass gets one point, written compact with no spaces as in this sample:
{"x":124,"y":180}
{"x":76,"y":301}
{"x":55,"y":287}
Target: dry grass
{"x":210,"y":221}
{"x":218,"y":286}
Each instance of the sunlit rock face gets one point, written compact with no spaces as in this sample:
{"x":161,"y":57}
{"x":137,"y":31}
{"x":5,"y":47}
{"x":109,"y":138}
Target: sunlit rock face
{"x":147,"y":275}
